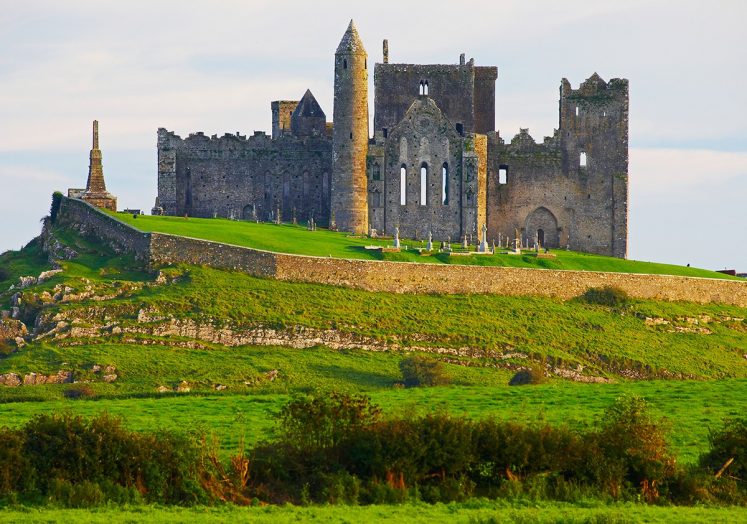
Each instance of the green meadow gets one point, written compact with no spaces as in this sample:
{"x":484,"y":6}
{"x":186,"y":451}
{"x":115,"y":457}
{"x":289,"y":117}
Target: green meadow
{"x":296,"y":239}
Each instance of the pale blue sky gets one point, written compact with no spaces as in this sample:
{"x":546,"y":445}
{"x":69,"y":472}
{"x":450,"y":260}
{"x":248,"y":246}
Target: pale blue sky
{"x":215,"y":66}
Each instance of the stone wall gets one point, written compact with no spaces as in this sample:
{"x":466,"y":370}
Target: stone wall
{"x":90,"y":221}
{"x":392,"y":277}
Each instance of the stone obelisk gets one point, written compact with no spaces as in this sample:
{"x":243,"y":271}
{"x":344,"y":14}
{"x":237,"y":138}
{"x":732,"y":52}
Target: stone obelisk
{"x":96,"y":193}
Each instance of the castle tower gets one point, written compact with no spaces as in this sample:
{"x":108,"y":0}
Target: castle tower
{"x":96,"y":193}
{"x":349,"y":202}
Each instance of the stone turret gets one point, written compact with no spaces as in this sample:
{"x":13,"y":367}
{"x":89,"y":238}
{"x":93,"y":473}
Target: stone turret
{"x":349,"y":203}
{"x":96,"y":193}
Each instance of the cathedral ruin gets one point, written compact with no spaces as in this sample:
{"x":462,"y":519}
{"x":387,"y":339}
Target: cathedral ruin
{"x":435,"y":164}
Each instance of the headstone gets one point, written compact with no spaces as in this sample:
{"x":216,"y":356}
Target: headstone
{"x":465,"y":245}
{"x":429,"y":246}
{"x":483,"y":248}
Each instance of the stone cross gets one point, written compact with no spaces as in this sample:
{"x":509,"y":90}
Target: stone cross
{"x":429,"y":247}
{"x":396,"y":237}
{"x":464,"y":242}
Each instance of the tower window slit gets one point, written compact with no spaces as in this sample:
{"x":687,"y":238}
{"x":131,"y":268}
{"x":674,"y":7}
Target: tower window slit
{"x":423,"y":183}
{"x":582,"y":159}
{"x":445,"y":184}
{"x":503,"y":174}
{"x":402,"y":186}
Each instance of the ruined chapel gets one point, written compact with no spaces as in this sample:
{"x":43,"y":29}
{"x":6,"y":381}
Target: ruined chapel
{"x":434,"y":165}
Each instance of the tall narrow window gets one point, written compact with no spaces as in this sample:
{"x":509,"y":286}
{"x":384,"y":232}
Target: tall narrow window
{"x":402,"y":185}
{"x":423,"y":183}
{"x":344,"y":64}
{"x":376,"y":172}
{"x":576,"y":110}
{"x":445,"y":184}
{"x":582,"y":159}
{"x":503,"y":174}
{"x":421,"y":89}
{"x":425,"y":88}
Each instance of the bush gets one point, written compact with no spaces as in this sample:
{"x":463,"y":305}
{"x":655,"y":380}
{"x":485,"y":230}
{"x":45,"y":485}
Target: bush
{"x":531,"y":375}
{"x":4,"y":274}
{"x":634,"y":450}
{"x":418,"y":370}
{"x":80,"y":391}
{"x":606,"y":296}
{"x":729,"y":442}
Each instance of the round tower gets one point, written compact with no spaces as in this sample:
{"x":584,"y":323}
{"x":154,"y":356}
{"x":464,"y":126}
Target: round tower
{"x":349,"y":200}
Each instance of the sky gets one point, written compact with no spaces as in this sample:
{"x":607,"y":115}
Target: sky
{"x":216,"y":66}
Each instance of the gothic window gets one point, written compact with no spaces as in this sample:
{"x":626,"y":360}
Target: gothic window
{"x":421,"y":89}
{"x":376,"y":172}
{"x":445,"y":184}
{"x":425,"y":88}
{"x":402,"y":185}
{"x":423,"y":183}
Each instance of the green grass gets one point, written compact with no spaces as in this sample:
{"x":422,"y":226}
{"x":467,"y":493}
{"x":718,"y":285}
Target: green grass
{"x":474,"y":512}
{"x":287,"y":238}
{"x":29,"y":261}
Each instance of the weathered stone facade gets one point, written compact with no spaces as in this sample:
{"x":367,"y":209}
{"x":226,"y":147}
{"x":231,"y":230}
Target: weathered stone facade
{"x":438,"y":123}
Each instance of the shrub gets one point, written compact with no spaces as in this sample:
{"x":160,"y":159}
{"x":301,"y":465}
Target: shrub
{"x":4,"y":274}
{"x":634,"y":449}
{"x":606,"y":296}
{"x":728,"y":443}
{"x":418,"y":370}
{"x":531,"y":375}
{"x":55,"y":208}
{"x":79,"y":391}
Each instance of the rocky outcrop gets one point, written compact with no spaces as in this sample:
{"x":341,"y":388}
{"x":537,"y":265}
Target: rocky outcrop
{"x":11,"y":330}
{"x":54,"y":249}
{"x":35,"y":379}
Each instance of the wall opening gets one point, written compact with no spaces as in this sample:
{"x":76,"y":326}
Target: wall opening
{"x":445,"y":184}
{"x":376,"y":172}
{"x":541,"y":237}
{"x":425,"y":88}
{"x":576,"y":110}
{"x":503,"y":174}
{"x":344,"y":64}
{"x":582,"y":159}
{"x":460,"y":128}
{"x":423,"y":183}
{"x":402,"y":185}
{"x":421,"y":89}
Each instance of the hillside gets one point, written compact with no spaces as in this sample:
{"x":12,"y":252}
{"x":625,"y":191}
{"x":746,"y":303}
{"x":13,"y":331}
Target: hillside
{"x":296,"y":239}
{"x":237,"y":346}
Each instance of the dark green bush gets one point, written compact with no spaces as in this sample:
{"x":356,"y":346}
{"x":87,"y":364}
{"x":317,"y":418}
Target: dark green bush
{"x":606,"y":296}
{"x":79,"y":391}
{"x":419,"y":370}
{"x":728,"y":442}
{"x":4,"y":274}
{"x":531,"y":375}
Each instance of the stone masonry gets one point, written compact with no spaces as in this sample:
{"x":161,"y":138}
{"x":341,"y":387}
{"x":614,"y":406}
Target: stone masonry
{"x":394,"y":277}
{"x":434,"y":165}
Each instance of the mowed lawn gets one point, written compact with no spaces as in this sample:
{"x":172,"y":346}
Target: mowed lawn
{"x":296,"y":239}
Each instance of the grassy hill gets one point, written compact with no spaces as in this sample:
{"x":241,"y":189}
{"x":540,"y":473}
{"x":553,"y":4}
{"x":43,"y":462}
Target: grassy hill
{"x":186,"y":323}
{"x":296,"y":239}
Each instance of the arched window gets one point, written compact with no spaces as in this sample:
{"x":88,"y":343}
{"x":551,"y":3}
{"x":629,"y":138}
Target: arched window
{"x":423,"y":183}
{"x":402,"y":185}
{"x":582,"y":159}
{"x":425,"y":88}
{"x":421,"y":88}
{"x":445,"y":184}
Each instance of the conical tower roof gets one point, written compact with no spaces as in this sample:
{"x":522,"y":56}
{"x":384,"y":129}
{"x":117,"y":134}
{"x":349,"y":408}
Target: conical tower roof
{"x":308,"y":106}
{"x":351,"y":42}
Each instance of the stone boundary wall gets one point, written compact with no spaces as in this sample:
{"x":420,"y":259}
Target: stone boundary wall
{"x":88,"y":220}
{"x":393,"y":277}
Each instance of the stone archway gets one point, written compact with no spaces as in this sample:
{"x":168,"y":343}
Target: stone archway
{"x":542,"y":223}
{"x":248,"y":213}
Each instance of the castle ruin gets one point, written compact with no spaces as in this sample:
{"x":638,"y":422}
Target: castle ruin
{"x":435,"y":164}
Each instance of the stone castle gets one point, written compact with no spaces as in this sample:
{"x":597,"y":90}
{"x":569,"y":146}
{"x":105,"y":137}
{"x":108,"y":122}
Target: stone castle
{"x":434,"y":166}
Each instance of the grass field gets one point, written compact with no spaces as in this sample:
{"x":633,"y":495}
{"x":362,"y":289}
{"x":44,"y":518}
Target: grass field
{"x":497,"y":331}
{"x":287,"y":238}
{"x":477,"y":512}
